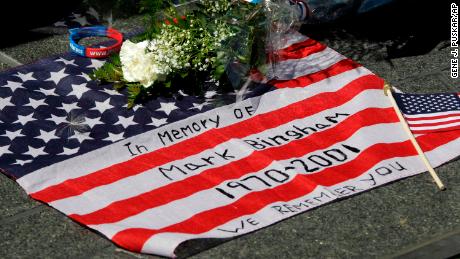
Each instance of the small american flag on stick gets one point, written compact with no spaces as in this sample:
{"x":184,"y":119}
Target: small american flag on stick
{"x":426,"y":113}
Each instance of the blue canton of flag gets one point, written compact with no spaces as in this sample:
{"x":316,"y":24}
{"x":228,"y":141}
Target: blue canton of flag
{"x":51,"y":111}
{"x":427,"y":113}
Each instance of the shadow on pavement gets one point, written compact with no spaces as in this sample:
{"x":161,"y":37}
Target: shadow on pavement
{"x":408,"y":28}
{"x":17,"y":18}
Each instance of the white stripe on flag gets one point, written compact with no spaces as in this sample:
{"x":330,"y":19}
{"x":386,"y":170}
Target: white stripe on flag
{"x":447,"y":119}
{"x":179,"y":210}
{"x":104,"y":195}
{"x":293,"y":68}
{"x":285,"y":42}
{"x":165,"y":243}
{"x":116,"y":153}
{"x":408,"y":116}
{"x":133,"y":186}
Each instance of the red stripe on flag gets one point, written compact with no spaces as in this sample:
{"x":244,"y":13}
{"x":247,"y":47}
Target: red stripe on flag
{"x":337,"y":68}
{"x":258,"y":160}
{"x":209,"y":139}
{"x":415,"y":126}
{"x":134,"y":239}
{"x":433,"y":117}
{"x":298,"y":51}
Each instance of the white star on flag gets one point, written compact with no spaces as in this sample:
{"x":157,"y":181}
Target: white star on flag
{"x":199,"y":106}
{"x":13,"y":86}
{"x":167,"y":107}
{"x":5,"y":102}
{"x":69,"y":151}
{"x":157,"y":122}
{"x":35,"y":152}
{"x":24,"y":119}
{"x":111,"y":92}
{"x":5,"y":150}
{"x":46,"y":136}
{"x":114,"y":137}
{"x":13,"y":134}
{"x":86,"y":77}
{"x":21,"y":162}
{"x":96,"y":63}
{"x":25,"y":77}
{"x":78,"y":90}
{"x":126,"y":122}
{"x":48,"y":92}
{"x":103,"y":106}
{"x":210,"y":94}
{"x":58,"y":119}
{"x":134,"y":108}
{"x":68,"y":107}
{"x":35,"y":103}
{"x":56,"y":77}
{"x":66,"y":62}
{"x":93,"y":122}
{"x":81,"y":136}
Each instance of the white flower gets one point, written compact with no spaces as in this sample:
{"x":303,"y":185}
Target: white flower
{"x":137,"y":64}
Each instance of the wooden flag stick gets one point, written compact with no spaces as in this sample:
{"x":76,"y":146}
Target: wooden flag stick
{"x":434,"y":175}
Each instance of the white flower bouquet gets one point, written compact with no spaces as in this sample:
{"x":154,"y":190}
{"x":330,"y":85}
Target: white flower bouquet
{"x":217,"y":41}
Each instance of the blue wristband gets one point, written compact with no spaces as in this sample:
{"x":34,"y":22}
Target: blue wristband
{"x":94,"y":31}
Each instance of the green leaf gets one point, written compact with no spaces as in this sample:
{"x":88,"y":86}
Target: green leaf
{"x":119,"y":85}
{"x":219,"y":71}
{"x":183,"y":74}
{"x":134,"y":93}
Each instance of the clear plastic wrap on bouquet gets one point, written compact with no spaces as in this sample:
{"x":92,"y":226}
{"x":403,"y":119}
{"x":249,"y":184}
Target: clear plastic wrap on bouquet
{"x":251,"y":54}
{"x":282,"y":18}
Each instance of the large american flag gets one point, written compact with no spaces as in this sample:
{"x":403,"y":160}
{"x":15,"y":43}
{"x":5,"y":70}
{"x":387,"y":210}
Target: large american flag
{"x":427,"y":113}
{"x":183,"y":167}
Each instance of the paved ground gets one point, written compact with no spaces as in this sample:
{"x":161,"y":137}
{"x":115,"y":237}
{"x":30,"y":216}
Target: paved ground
{"x":385,"y":222}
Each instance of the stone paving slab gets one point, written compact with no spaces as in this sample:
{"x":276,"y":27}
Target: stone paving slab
{"x":47,"y":233}
{"x":31,"y":51}
{"x":445,"y":246}
{"x":3,"y":66}
{"x":113,"y":252}
{"x":13,"y":199}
